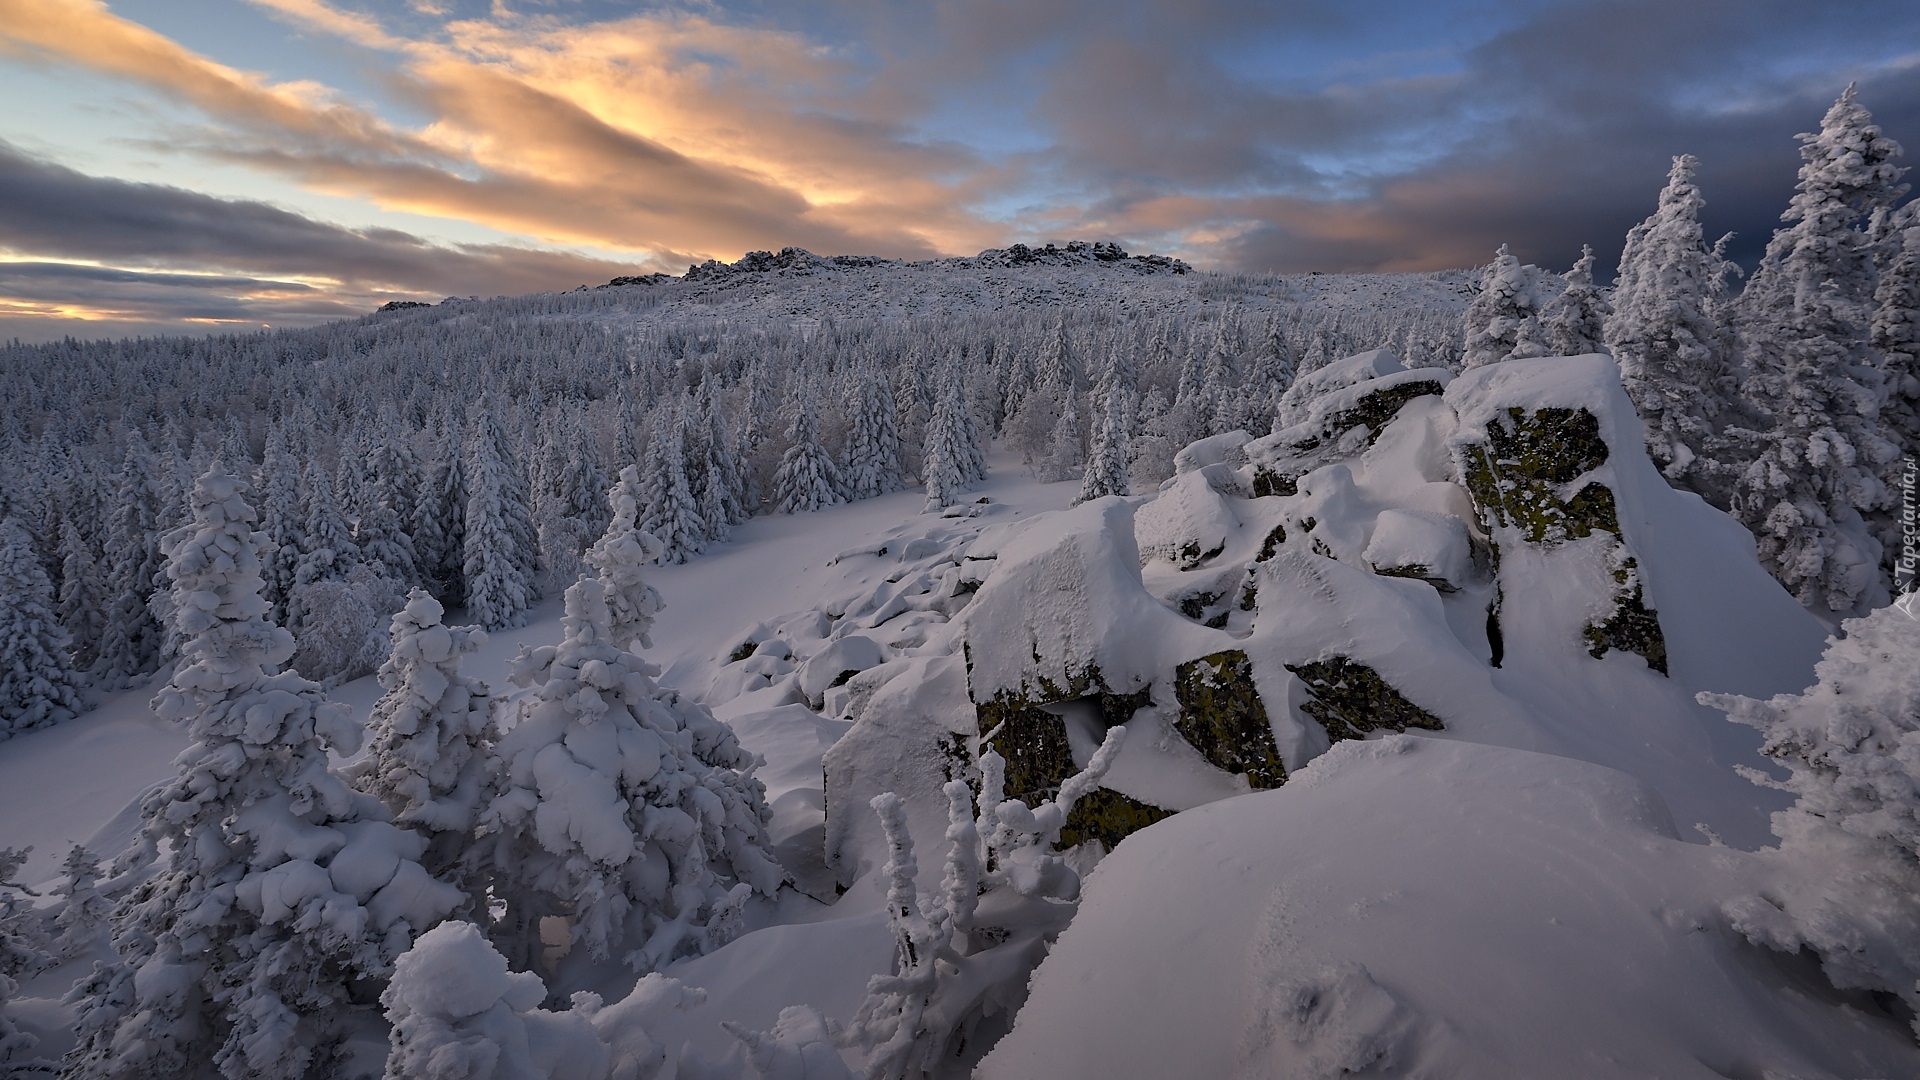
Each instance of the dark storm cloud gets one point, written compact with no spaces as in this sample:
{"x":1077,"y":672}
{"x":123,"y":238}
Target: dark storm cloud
{"x":1397,"y":136}
{"x":54,"y":212}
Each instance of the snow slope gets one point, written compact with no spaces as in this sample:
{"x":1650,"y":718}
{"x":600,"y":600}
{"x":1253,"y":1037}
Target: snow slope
{"x":1413,"y":907}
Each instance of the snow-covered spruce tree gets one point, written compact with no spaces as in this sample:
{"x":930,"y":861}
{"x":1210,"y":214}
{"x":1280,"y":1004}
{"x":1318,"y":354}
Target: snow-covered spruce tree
{"x":131,"y":641}
{"x":23,"y":953}
{"x":947,"y":979}
{"x":429,"y":751}
{"x":283,"y":518}
{"x":327,"y":550}
{"x":81,"y":915}
{"x":381,"y":512}
{"x":1503,"y":322}
{"x":873,"y":438}
{"x":1575,"y":321}
{"x":439,"y":522}
{"x":807,"y":479}
{"x":498,"y":561}
{"x":670,"y":511}
{"x":723,"y":498}
{"x":1665,"y":331}
{"x":38,"y":683}
{"x":1845,"y":881}
{"x":622,"y":806}
{"x":1896,"y":344}
{"x":1106,"y":472}
{"x":277,"y":888}
{"x":1804,"y":322}
{"x":1273,"y":371}
{"x":946,"y":466}
{"x":80,"y":607}
{"x":568,"y":501}
{"x":1066,"y":457}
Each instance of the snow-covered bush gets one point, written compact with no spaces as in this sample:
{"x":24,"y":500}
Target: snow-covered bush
{"x":1846,"y":881}
{"x":1504,"y":321}
{"x":458,"y":1013}
{"x":339,"y":638}
{"x":966,"y":951}
{"x":620,"y":805}
{"x":276,"y":888}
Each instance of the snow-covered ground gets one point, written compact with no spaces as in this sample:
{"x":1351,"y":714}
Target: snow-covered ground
{"x":1516,"y":892}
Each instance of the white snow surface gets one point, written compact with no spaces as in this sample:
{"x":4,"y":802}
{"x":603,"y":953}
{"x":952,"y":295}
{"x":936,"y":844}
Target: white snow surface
{"x":1413,"y":907}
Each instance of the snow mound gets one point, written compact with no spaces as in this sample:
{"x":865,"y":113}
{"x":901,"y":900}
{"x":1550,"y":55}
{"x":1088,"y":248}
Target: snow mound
{"x":1493,"y":913}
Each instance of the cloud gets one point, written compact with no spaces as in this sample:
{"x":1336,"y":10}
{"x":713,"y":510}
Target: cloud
{"x":1305,"y":134}
{"x":104,"y":248}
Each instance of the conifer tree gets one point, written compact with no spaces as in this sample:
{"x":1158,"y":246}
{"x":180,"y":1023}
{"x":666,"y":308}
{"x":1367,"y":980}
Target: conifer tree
{"x":807,"y":479}
{"x":1503,"y":322}
{"x":131,"y":641}
{"x":619,"y":804}
{"x":499,"y":542}
{"x":722,"y":495}
{"x":430,"y":736}
{"x":280,"y":886}
{"x":1805,"y":321}
{"x":79,"y":600}
{"x":1896,"y":329}
{"x":439,"y":525}
{"x":873,"y":438}
{"x":1575,"y":321}
{"x":671,"y":512}
{"x":283,"y":517}
{"x":1106,"y":471}
{"x":1665,"y":332}
{"x":381,"y":515}
{"x":38,"y":684}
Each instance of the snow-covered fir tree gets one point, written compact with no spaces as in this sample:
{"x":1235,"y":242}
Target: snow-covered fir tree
{"x":81,"y":609}
{"x":1666,"y":334}
{"x":81,"y":916}
{"x":430,"y":735}
{"x":1575,"y":321}
{"x":1805,"y":322}
{"x":873,"y":438}
{"x":1896,"y":339}
{"x":276,"y":887}
{"x":1106,"y":472}
{"x":23,"y":953}
{"x":1848,"y":886}
{"x":283,"y":518}
{"x":951,"y":448}
{"x":130,"y":643}
{"x":38,"y":683}
{"x":619,"y":805}
{"x":723,"y":487}
{"x":807,"y":479}
{"x":381,"y":512}
{"x":499,"y":545}
{"x":670,"y":511}
{"x":439,"y":522}
{"x":1503,"y":322}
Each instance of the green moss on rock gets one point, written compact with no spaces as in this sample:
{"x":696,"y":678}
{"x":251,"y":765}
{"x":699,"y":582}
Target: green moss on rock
{"x":1269,"y":482}
{"x":1350,"y":699}
{"x":1374,"y":410}
{"x":1222,"y":716}
{"x":1517,"y":475}
{"x":1633,"y":627}
{"x":1109,"y":817}
{"x":1034,"y":741}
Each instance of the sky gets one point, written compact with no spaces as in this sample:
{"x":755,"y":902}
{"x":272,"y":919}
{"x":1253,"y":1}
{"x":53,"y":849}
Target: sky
{"x":195,"y":166}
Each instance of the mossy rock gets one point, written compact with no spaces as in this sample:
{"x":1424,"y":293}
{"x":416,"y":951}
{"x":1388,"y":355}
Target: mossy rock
{"x":1373,"y":411}
{"x":1191,"y":556}
{"x":1271,"y":545}
{"x":1109,"y":817}
{"x":1350,"y":699}
{"x":1222,"y":716}
{"x":1268,"y":482}
{"x":1034,"y":741}
{"x":1633,"y":627}
{"x":1516,"y":476}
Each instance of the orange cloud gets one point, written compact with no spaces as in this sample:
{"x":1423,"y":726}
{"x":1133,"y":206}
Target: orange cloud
{"x":665,"y":133}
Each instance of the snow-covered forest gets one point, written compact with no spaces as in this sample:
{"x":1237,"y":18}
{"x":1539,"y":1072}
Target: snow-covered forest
{"x":586,"y":684}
